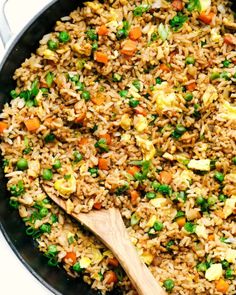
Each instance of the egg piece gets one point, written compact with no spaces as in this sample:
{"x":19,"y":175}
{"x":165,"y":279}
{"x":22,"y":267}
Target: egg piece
{"x":97,"y":255}
{"x":140,"y":123}
{"x":227,"y":111}
{"x":201,"y":231}
{"x":125,"y":122}
{"x":147,"y":147}
{"x":151,"y":221}
{"x":209,"y":95}
{"x":229,"y":207}
{"x":230,"y":255}
{"x":158,"y":202}
{"x":205,"y":4}
{"x":202,"y":165}
{"x":147,"y":258}
{"x":66,"y":187}
{"x":214,"y":272}
{"x":85,"y":262}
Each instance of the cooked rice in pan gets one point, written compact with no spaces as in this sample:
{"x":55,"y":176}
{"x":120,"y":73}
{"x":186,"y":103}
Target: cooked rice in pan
{"x":132,"y":105}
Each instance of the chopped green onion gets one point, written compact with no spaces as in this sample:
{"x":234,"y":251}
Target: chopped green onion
{"x":163,"y":32}
{"x":116,"y":77}
{"x":45,"y":228}
{"x":93,"y":171}
{"x":219,"y":176}
{"x":190,"y":227}
{"x":101,"y":144}
{"x":49,"y":138}
{"x":49,"y":78}
{"x":78,"y":157}
{"x":92,"y":35}
{"x":177,"y":21}
{"x":150,"y":195}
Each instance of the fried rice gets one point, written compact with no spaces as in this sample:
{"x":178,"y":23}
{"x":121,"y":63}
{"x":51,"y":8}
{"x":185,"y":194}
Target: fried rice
{"x":131,"y":105}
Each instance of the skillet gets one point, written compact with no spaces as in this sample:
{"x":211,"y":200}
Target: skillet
{"x":13,"y":229}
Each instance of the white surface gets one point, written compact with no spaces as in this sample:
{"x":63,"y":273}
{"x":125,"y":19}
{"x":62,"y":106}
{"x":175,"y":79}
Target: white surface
{"x":14,"y":277}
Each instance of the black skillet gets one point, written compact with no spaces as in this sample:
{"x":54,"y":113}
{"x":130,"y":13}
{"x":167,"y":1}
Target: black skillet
{"x":13,"y":229}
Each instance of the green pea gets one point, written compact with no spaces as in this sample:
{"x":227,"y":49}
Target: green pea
{"x":179,"y":214}
{"x":57,"y":164}
{"x":52,"y":45}
{"x":49,"y":79}
{"x":164,"y":189}
{"x":121,"y":34}
{"x":67,"y":176}
{"x":133,"y":103}
{"x":92,"y":35}
{"x":101,"y":144}
{"x":159,"y":80}
{"x":190,"y":60}
{"x":76,"y":267}
{"x":43,"y":212}
{"x":211,"y":200}
{"x":222,"y":198}
{"x":158,"y":226}
{"x":95,"y":46}
{"x":169,"y":284}
{"x":49,"y":138}
{"x":125,"y":25}
{"x":155,"y":185}
{"x":64,"y":37}
{"x":200,"y":200}
{"x":225,"y":75}
{"x":93,"y":171}
{"x":123,"y":93}
{"x":180,"y":129}
{"x":79,"y":86}
{"x":226,"y":63}
{"x":54,"y":218}
{"x":219,"y":176}
{"x":150,"y":195}
{"x":78,"y":157}
{"x":189,"y":227}
{"x":203,"y":266}
{"x":188,"y":96}
{"x":86,"y":95}
{"x":13,"y":93}
{"x":47,"y":174}
{"x":169,"y":245}
{"x":229,"y":274}
{"x":45,"y":228}
{"x":22,"y":164}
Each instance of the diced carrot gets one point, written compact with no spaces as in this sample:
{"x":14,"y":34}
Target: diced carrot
{"x":234,"y":61}
{"x":113,"y":261}
{"x":181,"y":221}
{"x":165,"y":177}
{"x":135,"y":33}
{"x":206,"y":18}
{"x":178,"y":5}
{"x":140,"y":111}
{"x":102,"y":31}
{"x":103,"y":164}
{"x":191,"y":86}
{"x":164,"y":68}
{"x":97,"y":206}
{"x":32,"y":124}
{"x":107,"y":137}
{"x":101,"y":57}
{"x":80,"y":118}
{"x":110,"y":277}
{"x":98,"y":99}
{"x":3,"y":126}
{"x":129,"y":47}
{"x":219,"y":213}
{"x":70,"y":256}
{"x":132,"y":170}
{"x":211,"y":238}
{"x":134,"y":196}
{"x":229,"y":39}
{"x":222,"y":286}
{"x":83,"y":141}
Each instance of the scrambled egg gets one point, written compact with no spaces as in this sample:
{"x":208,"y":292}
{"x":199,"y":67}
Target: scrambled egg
{"x":151,"y":221}
{"x":85,"y":262}
{"x":140,"y":123}
{"x":230,"y":255}
{"x":125,"y":122}
{"x":165,"y":98}
{"x":230,"y":206}
{"x":146,"y":146}
{"x":201,"y":231}
{"x":158,"y":202}
{"x":205,"y":4}
{"x":147,"y":258}
{"x":97,"y":255}
{"x":95,"y":6}
{"x":49,"y":54}
{"x":210,"y":95}
{"x":66,"y":187}
{"x":215,"y":36}
{"x":214,"y":272}
{"x":34,"y":168}
{"x":227,"y":111}
{"x":69,"y":206}
{"x":202,"y":165}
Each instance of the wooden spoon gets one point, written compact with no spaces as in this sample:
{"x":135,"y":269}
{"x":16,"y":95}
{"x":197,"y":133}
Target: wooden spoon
{"x":109,"y":227}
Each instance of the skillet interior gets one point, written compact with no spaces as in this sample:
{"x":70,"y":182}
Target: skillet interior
{"x":11,"y":225}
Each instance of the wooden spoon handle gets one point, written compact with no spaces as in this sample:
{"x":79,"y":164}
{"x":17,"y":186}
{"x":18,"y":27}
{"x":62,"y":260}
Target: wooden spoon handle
{"x":111,"y":230}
